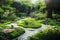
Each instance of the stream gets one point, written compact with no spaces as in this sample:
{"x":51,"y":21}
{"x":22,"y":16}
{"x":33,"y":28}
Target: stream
{"x":28,"y":31}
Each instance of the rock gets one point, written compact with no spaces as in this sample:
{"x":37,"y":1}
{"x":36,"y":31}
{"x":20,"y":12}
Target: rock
{"x":6,"y":31}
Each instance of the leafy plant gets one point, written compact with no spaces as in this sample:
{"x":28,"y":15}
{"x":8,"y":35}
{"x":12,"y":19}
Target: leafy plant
{"x":46,"y":34}
{"x":51,"y":22}
{"x":17,"y":32}
{"x":29,"y":23}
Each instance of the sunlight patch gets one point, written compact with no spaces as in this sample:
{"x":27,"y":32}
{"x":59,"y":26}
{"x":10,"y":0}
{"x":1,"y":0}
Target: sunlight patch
{"x":34,"y":1}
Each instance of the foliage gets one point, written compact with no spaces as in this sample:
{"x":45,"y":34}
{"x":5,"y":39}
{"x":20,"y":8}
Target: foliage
{"x":26,"y":2}
{"x":7,"y":13}
{"x":46,"y":34}
{"x":55,"y":15}
{"x":17,"y":32}
{"x":6,"y":2}
{"x":38,"y":15}
{"x":29,"y":23}
{"x":1,"y":12}
{"x":51,"y":22}
{"x":41,"y":5}
{"x":9,"y":1}
{"x":12,"y":17}
{"x":8,"y":7}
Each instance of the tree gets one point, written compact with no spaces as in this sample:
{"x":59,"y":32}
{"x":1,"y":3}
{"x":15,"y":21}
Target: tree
{"x":52,"y":5}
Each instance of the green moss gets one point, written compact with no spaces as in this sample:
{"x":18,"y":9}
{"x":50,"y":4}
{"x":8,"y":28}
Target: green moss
{"x":30,"y":23}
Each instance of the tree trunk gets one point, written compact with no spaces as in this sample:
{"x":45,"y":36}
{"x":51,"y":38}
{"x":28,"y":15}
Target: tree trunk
{"x":49,"y":14}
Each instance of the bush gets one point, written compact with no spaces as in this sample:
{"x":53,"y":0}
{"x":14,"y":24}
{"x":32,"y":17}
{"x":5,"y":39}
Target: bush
{"x":41,"y":4}
{"x":51,"y":22}
{"x":56,"y":15}
{"x":12,"y":17}
{"x":17,"y":32}
{"x":1,"y":12}
{"x":29,"y":23}
{"x":46,"y":34}
{"x":38,"y":15}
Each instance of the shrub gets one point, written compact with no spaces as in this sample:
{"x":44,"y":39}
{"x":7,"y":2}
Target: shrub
{"x":12,"y":17}
{"x":40,"y":5}
{"x":46,"y":34}
{"x":38,"y":15}
{"x":51,"y":22}
{"x":29,"y":23}
{"x":1,"y":12}
{"x":17,"y":32}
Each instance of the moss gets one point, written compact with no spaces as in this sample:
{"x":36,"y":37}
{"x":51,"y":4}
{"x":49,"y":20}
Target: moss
{"x":30,"y":23}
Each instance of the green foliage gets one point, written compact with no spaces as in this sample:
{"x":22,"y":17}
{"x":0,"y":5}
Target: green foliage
{"x":8,"y":7}
{"x":7,"y":13}
{"x":51,"y":22}
{"x":46,"y":34}
{"x":6,"y":1}
{"x":1,"y":10}
{"x":41,"y":4}
{"x":12,"y":17}
{"x":29,"y":23}
{"x":26,"y":2}
{"x":9,"y":1}
{"x":38,"y":15}
{"x":5,"y":27}
{"x":55,"y":15}
{"x":17,"y":32}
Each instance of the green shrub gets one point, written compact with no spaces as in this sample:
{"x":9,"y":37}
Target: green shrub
{"x":29,"y":23}
{"x":12,"y":17}
{"x":17,"y":32}
{"x":38,"y":15}
{"x":40,"y":4}
{"x":55,"y":15}
{"x":46,"y":34}
{"x":1,"y":10}
{"x":51,"y":22}
{"x":5,"y":27}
